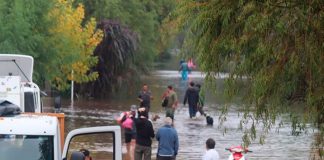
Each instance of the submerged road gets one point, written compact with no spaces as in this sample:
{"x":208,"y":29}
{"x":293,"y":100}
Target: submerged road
{"x":192,"y":133}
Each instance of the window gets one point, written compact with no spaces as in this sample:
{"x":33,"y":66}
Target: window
{"x":99,"y":145}
{"x":27,"y":147}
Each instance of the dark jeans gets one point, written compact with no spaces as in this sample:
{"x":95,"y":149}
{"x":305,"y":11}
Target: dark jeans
{"x":165,"y":157}
{"x":192,"y":111}
{"x":142,"y":152}
{"x":147,"y":109}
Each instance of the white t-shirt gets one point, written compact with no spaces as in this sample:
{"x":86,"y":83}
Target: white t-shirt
{"x":211,"y":154}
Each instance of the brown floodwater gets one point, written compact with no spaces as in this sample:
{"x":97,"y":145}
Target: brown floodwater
{"x":192,"y":133}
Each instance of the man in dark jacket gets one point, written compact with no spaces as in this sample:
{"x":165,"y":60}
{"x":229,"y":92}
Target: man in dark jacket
{"x":144,"y":133}
{"x":168,"y":141}
{"x":145,"y":97}
{"x":192,"y":96}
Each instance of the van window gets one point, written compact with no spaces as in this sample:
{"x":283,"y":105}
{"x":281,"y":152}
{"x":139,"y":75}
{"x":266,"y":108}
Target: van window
{"x":98,"y":146}
{"x":27,"y":147}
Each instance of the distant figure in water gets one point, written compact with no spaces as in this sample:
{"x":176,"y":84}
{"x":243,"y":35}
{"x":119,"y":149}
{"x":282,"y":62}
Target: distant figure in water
{"x":191,"y":65}
{"x":145,"y":97}
{"x":201,"y":100}
{"x":184,"y":69}
{"x":192,"y":97}
{"x":171,"y":102}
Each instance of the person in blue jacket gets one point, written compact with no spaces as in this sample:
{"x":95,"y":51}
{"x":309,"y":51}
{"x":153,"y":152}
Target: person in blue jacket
{"x":168,"y":141}
{"x":184,"y":70}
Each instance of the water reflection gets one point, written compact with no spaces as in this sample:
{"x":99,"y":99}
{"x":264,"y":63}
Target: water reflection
{"x":192,"y":133}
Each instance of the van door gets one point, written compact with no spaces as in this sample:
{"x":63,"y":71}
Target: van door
{"x":103,"y":142}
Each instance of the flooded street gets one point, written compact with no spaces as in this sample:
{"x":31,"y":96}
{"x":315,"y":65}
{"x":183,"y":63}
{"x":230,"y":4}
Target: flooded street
{"x":192,"y":133}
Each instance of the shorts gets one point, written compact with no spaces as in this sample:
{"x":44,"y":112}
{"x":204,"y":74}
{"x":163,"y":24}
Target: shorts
{"x":129,"y":137}
{"x":169,"y":112}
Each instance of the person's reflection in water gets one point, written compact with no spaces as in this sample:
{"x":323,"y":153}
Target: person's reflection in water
{"x":86,"y":154}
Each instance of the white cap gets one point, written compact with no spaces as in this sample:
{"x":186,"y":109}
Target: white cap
{"x":133,"y":107}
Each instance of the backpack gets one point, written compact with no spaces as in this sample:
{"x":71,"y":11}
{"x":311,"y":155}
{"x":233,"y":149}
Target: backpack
{"x":165,"y":101}
{"x":127,"y":123}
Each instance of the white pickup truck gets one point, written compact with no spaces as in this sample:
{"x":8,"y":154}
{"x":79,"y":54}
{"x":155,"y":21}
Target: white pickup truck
{"x":33,"y":135}
{"x":40,"y":136}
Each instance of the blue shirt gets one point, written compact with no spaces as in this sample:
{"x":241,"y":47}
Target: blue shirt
{"x":184,"y":66}
{"x":168,"y":141}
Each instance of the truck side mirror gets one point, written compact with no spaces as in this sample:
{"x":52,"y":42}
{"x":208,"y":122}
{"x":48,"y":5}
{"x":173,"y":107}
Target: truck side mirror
{"x":43,"y":94}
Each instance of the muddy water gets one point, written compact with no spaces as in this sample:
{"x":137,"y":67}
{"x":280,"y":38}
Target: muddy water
{"x":192,"y":133}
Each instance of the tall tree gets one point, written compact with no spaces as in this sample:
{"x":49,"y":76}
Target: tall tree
{"x":139,"y":17}
{"x":276,"y":45}
{"x":144,"y":17}
{"x":73,"y":43}
{"x":55,"y":34}
{"x":23,"y":28}
{"x":114,"y":52}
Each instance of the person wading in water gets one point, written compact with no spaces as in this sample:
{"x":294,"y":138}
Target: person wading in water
{"x":184,"y":70}
{"x":192,"y":96}
{"x":144,"y":135}
{"x":145,"y":97}
{"x":172,"y":102}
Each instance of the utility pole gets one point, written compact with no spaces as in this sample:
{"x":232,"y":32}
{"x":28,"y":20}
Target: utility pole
{"x":72,"y":89}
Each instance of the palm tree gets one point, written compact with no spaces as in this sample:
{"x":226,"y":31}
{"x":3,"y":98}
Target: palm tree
{"x":115,"y":57}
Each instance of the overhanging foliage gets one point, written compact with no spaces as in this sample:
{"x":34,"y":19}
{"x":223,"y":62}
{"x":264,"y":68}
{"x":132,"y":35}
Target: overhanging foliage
{"x":277,"y":45}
